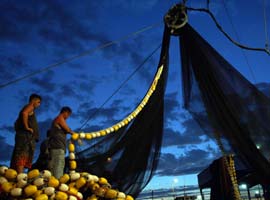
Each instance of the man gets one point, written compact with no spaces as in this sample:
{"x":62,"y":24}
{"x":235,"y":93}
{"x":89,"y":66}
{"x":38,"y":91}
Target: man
{"x":57,"y":142}
{"x":27,"y":134}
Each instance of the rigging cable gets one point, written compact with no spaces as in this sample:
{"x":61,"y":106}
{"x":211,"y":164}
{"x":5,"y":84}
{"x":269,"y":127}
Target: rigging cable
{"x":102,"y":46}
{"x":208,"y":3}
{"x":122,"y":84}
{"x":227,"y":36}
{"x":238,"y":38}
{"x":265,"y":26}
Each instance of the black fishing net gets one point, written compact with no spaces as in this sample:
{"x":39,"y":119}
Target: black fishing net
{"x":128,"y":157}
{"x":225,"y":103}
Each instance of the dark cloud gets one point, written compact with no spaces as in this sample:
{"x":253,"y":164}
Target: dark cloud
{"x":65,"y":28}
{"x":61,"y":32}
{"x":6,"y":128}
{"x":191,"y":162}
{"x":172,"y":137}
{"x":5,"y":149}
{"x":61,"y":26}
{"x":12,"y":66}
{"x":67,"y":91}
{"x":44,"y":126}
{"x":192,"y":128}
{"x":9,"y":28}
{"x":87,"y":111}
{"x":49,"y":103}
{"x":80,"y":89}
{"x":44,"y":82}
{"x":87,"y":86}
{"x":172,"y":107}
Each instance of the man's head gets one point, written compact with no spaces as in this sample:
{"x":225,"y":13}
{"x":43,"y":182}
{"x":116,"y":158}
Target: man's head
{"x":66,"y":111}
{"x":35,"y":99}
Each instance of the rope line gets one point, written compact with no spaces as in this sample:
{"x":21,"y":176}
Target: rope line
{"x":238,"y":38}
{"x":227,"y":36}
{"x":79,"y":55}
{"x":121,"y":85}
{"x":265,"y":26}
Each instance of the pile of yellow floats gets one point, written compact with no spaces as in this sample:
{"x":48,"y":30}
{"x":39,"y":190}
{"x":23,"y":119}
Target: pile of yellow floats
{"x":36,"y":185}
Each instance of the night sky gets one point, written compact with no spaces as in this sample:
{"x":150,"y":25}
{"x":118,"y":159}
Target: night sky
{"x":100,"y":44}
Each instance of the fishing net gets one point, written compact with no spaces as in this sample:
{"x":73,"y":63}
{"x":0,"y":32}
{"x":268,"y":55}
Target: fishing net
{"x":129,"y":157}
{"x":225,"y":103}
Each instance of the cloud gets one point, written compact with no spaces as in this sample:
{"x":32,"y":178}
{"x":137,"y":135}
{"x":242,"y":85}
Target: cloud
{"x":53,"y":31}
{"x":172,"y":107}
{"x":44,"y":126}
{"x":12,"y":66}
{"x":94,"y":114}
{"x":6,"y":128}
{"x":5,"y":147}
{"x":175,"y":138}
{"x":44,"y":82}
{"x":61,"y":26}
{"x":132,"y":5}
{"x":191,"y":162}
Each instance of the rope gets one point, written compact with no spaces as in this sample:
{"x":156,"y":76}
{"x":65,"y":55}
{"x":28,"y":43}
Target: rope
{"x":265,"y":26}
{"x":78,"y":56}
{"x":238,"y":38}
{"x":121,"y":85}
{"x":208,"y":3}
{"x":227,"y":36}
{"x":231,"y":168}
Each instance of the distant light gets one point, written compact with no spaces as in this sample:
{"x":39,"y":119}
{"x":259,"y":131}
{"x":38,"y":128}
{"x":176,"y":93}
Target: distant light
{"x":258,"y":146}
{"x":199,"y":197}
{"x":175,"y":180}
{"x":243,"y":186}
{"x":257,"y":192}
{"x":109,"y":159}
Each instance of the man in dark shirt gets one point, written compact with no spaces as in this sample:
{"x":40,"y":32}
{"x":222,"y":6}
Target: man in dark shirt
{"x":27,"y":134}
{"x":57,"y":142}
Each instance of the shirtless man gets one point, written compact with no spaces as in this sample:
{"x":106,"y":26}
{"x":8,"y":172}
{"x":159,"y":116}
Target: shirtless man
{"x":27,"y":134}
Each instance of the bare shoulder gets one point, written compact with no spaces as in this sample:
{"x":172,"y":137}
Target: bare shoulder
{"x":59,"y":119}
{"x":29,"y":109}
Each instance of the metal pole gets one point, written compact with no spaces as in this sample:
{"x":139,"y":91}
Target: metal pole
{"x":248,"y":193}
{"x":202,"y":194}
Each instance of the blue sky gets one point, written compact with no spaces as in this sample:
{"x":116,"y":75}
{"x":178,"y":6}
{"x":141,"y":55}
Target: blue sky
{"x":34,"y":35}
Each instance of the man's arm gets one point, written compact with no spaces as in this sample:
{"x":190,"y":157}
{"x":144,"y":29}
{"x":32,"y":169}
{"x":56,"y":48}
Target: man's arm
{"x":25,"y":113}
{"x":62,"y":122}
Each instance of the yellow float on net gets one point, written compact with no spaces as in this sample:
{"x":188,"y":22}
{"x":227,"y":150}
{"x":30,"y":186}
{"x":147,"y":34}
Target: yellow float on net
{"x":71,"y":147}
{"x":72,"y":164}
{"x":102,"y":132}
{"x":75,"y":136}
{"x":88,"y":136}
